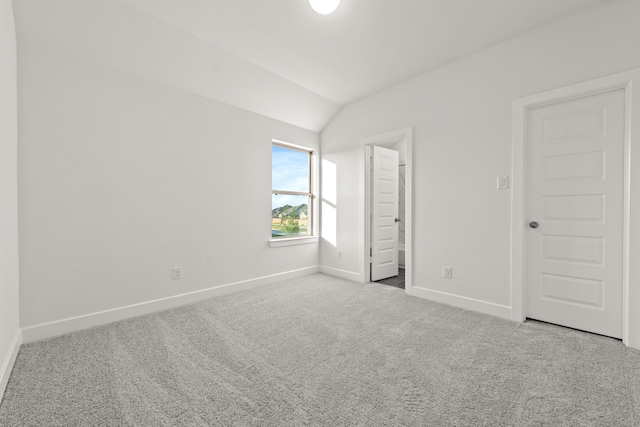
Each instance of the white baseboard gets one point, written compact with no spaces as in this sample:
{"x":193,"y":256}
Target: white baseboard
{"x":72,"y":324}
{"x":480,"y":306}
{"x":344,"y":274}
{"x":9,"y":361}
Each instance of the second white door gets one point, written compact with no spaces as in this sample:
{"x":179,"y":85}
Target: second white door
{"x":575,"y":213}
{"x":384,"y":213}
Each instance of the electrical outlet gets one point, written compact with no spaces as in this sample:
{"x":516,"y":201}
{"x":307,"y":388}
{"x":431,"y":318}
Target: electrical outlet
{"x":502,"y":182}
{"x":338,"y":254}
{"x":447,"y":272}
{"x":177,"y":273}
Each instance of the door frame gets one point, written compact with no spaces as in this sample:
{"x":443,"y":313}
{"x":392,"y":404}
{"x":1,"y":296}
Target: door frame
{"x":631,"y":230}
{"x":391,"y":138}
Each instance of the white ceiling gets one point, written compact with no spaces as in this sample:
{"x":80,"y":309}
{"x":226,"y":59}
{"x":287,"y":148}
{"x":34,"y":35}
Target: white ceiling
{"x":366,"y":45}
{"x":278,"y":58}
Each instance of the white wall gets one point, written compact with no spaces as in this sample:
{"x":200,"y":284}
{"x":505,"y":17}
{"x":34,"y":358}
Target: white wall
{"x":123,"y":37}
{"x":9,"y":333}
{"x":122,"y":178}
{"x":461,"y":116}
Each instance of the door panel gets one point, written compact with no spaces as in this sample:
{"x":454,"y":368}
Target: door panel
{"x":384,"y":200}
{"x":575,"y":191}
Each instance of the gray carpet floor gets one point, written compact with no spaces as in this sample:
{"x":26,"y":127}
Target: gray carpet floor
{"x":323,"y":351}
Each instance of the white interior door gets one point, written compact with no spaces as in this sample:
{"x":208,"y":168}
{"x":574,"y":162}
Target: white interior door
{"x":384,"y":213}
{"x":575,"y":194}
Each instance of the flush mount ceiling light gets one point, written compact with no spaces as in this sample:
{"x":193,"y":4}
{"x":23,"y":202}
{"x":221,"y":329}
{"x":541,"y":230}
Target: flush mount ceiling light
{"x":324,"y":7}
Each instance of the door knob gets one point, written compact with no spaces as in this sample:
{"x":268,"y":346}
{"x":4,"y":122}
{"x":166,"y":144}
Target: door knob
{"x":534,"y":224}
{"x":397,"y":220}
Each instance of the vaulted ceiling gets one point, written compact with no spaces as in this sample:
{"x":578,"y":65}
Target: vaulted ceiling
{"x":278,"y":58}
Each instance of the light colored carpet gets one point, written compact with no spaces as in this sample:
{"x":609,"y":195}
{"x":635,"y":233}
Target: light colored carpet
{"x":323,"y":351}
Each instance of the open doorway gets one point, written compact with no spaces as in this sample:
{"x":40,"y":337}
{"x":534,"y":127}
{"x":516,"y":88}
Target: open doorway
{"x":387,"y":247}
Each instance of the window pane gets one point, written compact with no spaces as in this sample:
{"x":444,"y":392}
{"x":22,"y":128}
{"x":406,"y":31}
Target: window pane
{"x":289,"y":169}
{"x":289,"y":215}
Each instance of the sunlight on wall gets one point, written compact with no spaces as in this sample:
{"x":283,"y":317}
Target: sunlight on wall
{"x":329,"y":202}
{"x":329,"y":223}
{"x":329,"y":186}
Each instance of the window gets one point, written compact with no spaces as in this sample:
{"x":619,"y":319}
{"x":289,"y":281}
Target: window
{"x":291,"y":197}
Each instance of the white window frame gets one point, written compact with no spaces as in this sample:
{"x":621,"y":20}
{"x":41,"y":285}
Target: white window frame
{"x":312,"y":237}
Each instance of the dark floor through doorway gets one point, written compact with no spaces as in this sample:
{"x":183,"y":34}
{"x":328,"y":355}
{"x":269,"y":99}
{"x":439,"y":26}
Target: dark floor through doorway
{"x":395,"y":281}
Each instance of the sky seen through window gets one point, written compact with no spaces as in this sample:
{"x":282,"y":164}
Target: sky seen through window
{"x":290,"y":172}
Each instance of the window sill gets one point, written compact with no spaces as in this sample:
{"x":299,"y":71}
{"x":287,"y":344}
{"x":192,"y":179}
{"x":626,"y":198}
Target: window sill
{"x":277,"y":243}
